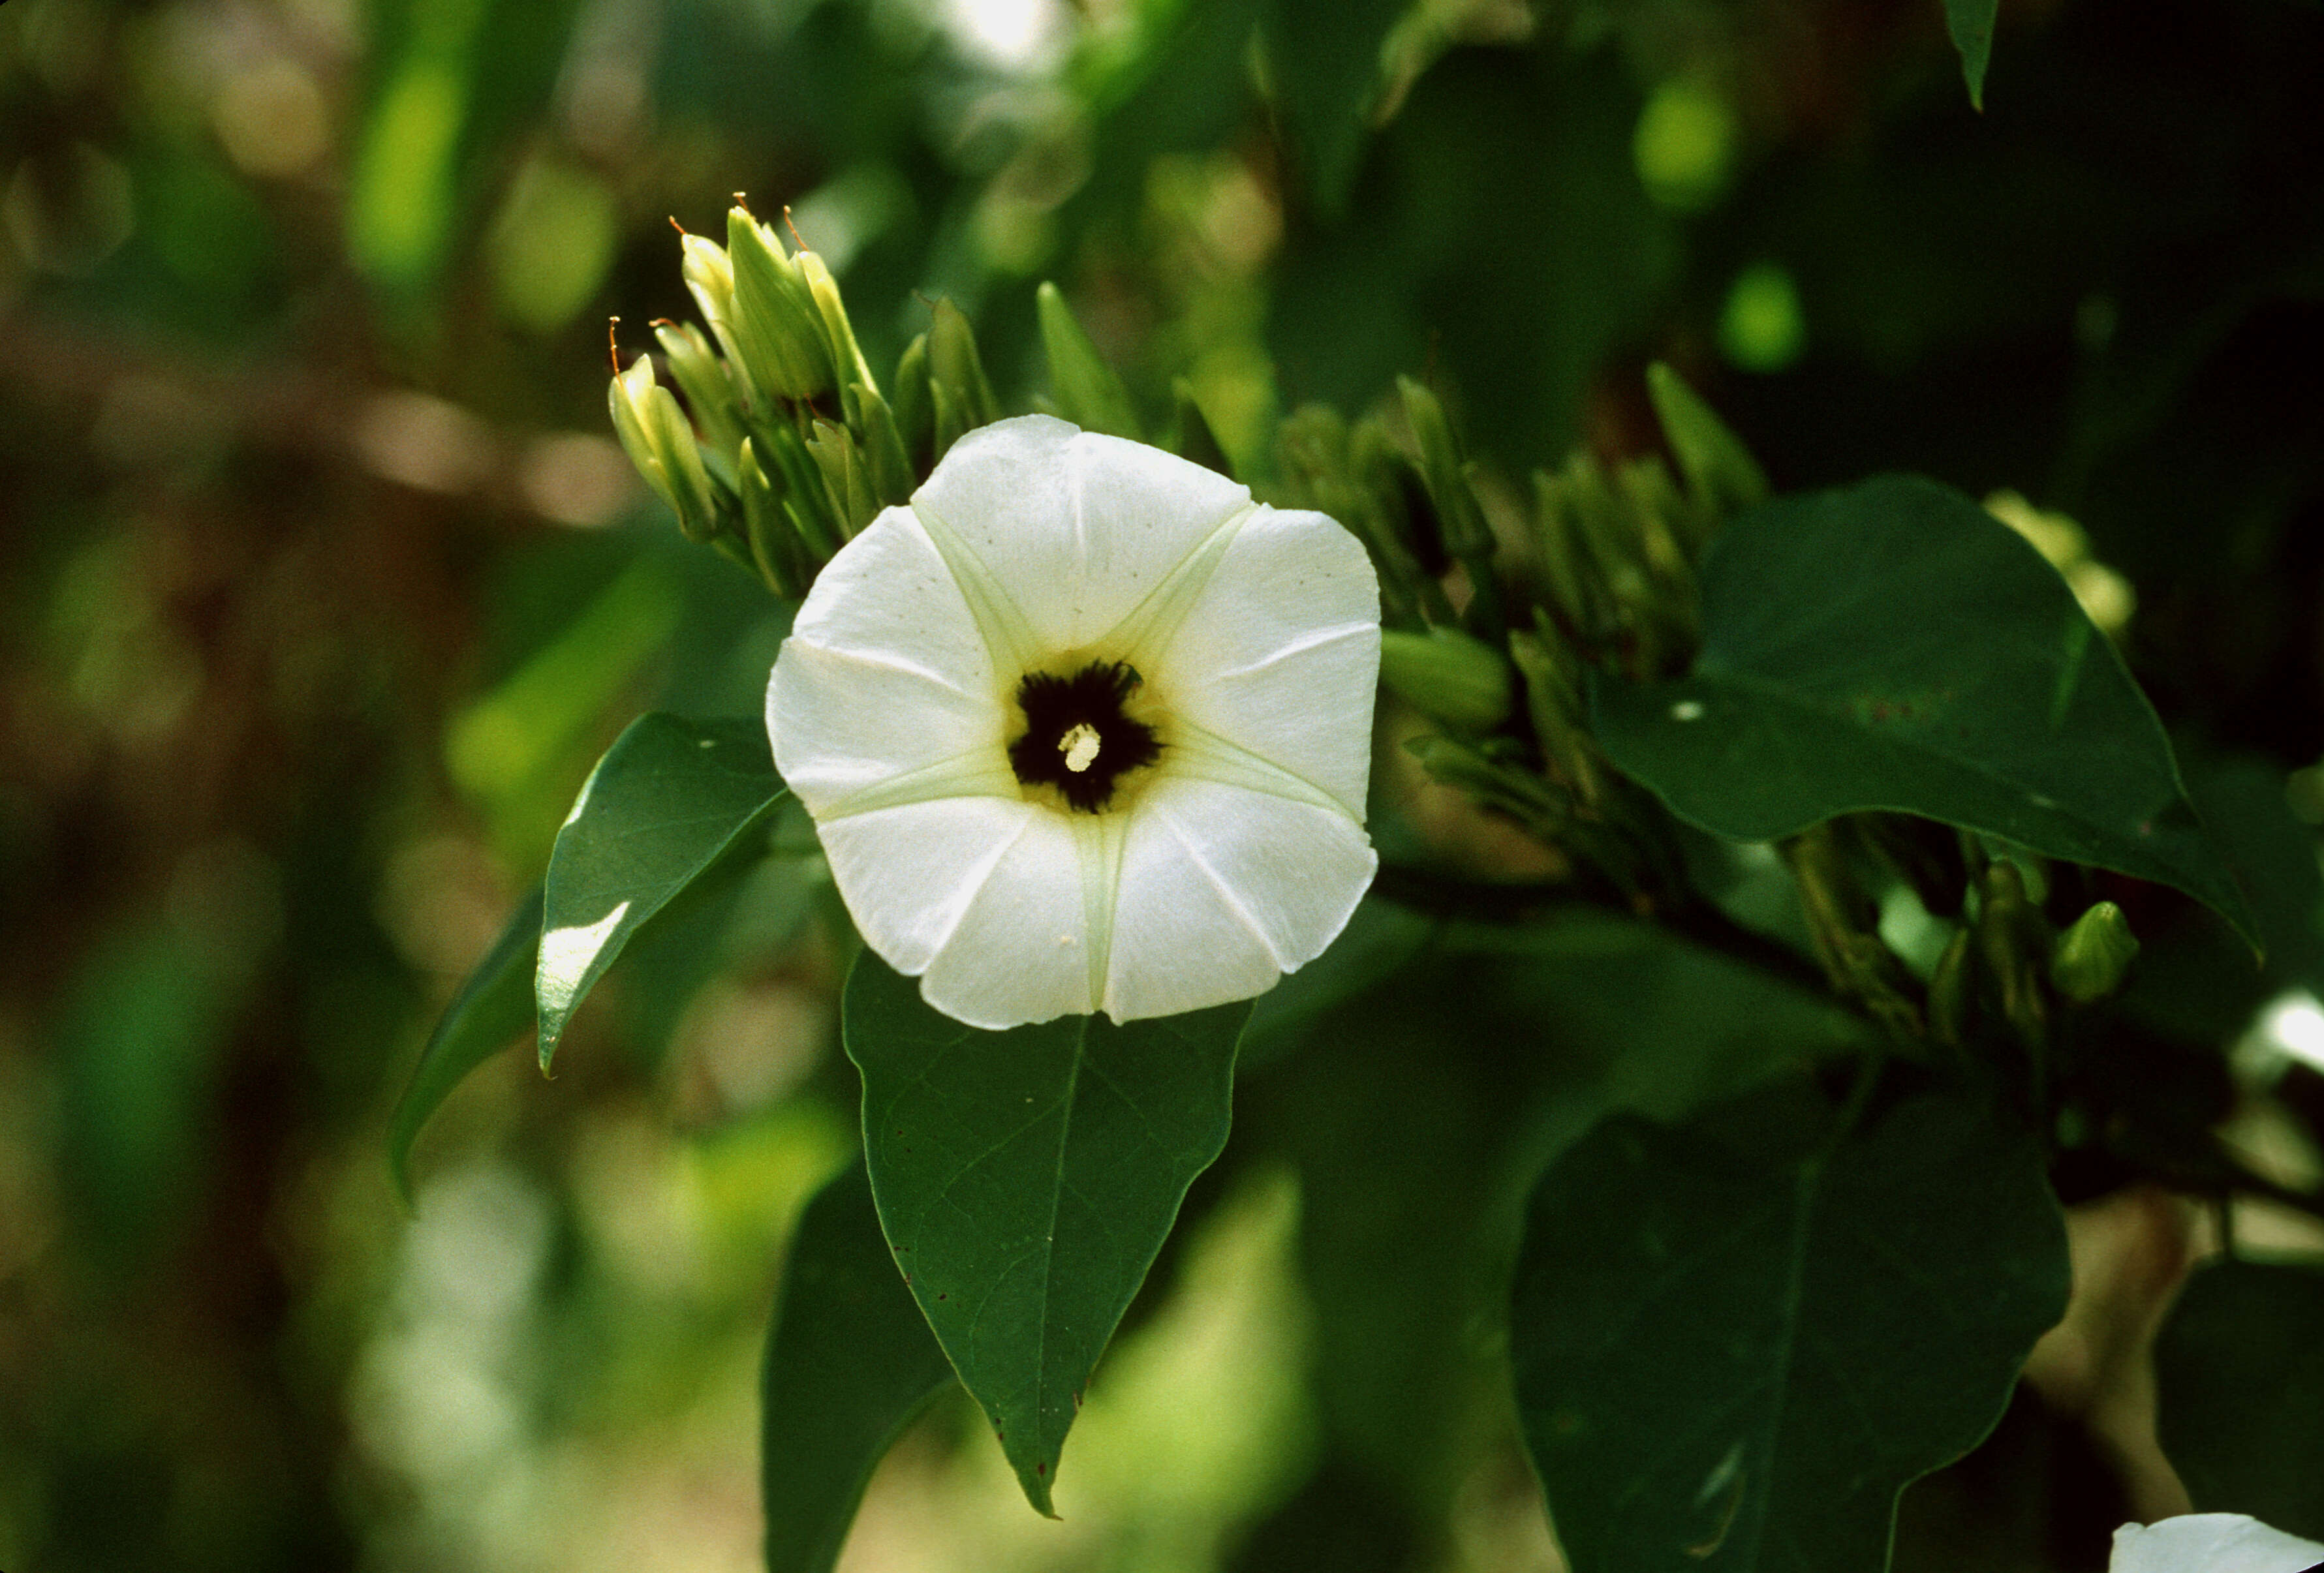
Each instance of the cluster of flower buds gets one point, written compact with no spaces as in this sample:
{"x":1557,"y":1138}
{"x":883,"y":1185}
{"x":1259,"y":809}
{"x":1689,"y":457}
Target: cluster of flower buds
{"x":1598,"y":571}
{"x":2008,"y":971}
{"x":792,"y":448}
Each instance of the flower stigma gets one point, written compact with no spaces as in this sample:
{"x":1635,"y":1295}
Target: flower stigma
{"x":1079,"y":737}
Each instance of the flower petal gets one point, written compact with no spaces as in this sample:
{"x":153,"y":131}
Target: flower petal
{"x":845,"y":725}
{"x":1223,"y":890}
{"x":888,"y":595}
{"x":2212,"y":1542}
{"x":1020,"y":951}
{"x":1076,"y":528}
{"x":909,"y":873}
{"x":1280,"y":654}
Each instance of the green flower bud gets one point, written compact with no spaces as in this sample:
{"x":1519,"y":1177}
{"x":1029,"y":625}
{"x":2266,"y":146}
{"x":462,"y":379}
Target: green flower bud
{"x":709,"y":275}
{"x":1950,"y":992}
{"x":702,"y":377}
{"x":1554,"y":705}
{"x":1088,"y":392}
{"x":846,"y":355}
{"x":773,"y":545}
{"x":1577,"y":590}
{"x":659,"y":443}
{"x":1459,"y":520}
{"x":915,"y":409}
{"x":779,"y":331}
{"x":957,"y":370}
{"x":844,"y":476}
{"x":1514,"y":791}
{"x":1448,"y":675}
{"x":1194,"y":439}
{"x":797,"y":478}
{"x":2091,"y":958}
{"x":1722,"y":478}
{"x":2009,"y":936}
{"x":885,"y":453}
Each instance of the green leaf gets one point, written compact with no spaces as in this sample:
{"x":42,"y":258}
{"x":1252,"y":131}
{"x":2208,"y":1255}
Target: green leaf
{"x":1090,"y":393}
{"x":1736,"y":1341}
{"x":667,"y":801}
{"x":1027,"y":1179}
{"x":493,"y":1005}
{"x":2240,"y":1368}
{"x":1893,"y":646}
{"x":1971,"y":22}
{"x":849,"y":1363}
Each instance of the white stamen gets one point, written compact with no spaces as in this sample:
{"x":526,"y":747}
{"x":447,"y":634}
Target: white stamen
{"x":1080,"y":747}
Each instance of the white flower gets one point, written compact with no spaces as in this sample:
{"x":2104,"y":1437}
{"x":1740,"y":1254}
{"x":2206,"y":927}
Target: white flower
{"x":1083,"y":728}
{"x":2212,"y":1542}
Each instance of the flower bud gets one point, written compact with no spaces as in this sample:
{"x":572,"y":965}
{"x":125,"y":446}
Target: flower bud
{"x":702,"y":377}
{"x":2008,"y":933}
{"x":709,"y":275}
{"x":884,"y":456}
{"x":1448,"y":676}
{"x":957,"y":370}
{"x":1554,"y":705}
{"x":1951,"y":996}
{"x":846,"y":355}
{"x":779,"y":330}
{"x":1459,"y":520}
{"x":1089,"y":392}
{"x":844,"y":476}
{"x":1577,"y":589}
{"x":1194,"y":439}
{"x":2092,"y":957}
{"x":773,"y":545}
{"x":1722,"y":478}
{"x":914,"y":410}
{"x":659,"y":443}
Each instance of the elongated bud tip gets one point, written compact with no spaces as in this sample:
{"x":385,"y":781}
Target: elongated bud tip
{"x":1448,"y":675}
{"x":2093,"y":957}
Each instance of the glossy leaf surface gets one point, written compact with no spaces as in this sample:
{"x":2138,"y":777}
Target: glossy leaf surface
{"x":1891,"y":645}
{"x":667,"y":801}
{"x":849,"y":1363}
{"x":1736,"y":1340}
{"x":1026,"y":1180}
{"x":493,"y":1005}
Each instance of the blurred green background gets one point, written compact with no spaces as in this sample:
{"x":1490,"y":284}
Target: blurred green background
{"x":322,"y":584}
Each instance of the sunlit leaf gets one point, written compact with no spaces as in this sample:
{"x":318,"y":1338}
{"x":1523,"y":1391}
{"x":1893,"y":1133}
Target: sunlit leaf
{"x":493,"y":1005}
{"x":669,"y":799}
{"x":1026,"y":1180}
{"x":849,"y":1361}
{"x":1736,"y":1340}
{"x":1893,"y":646}
{"x":2240,"y":1367}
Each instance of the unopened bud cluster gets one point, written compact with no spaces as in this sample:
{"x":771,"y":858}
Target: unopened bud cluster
{"x":1496,"y":608}
{"x":786,"y":446}
{"x":792,"y":447}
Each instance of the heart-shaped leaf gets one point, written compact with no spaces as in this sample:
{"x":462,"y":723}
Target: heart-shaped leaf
{"x":493,"y":1005}
{"x":1736,"y":1341}
{"x":665,"y":804}
{"x":1894,"y":646}
{"x":1027,"y":1179}
{"x":849,"y":1363}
